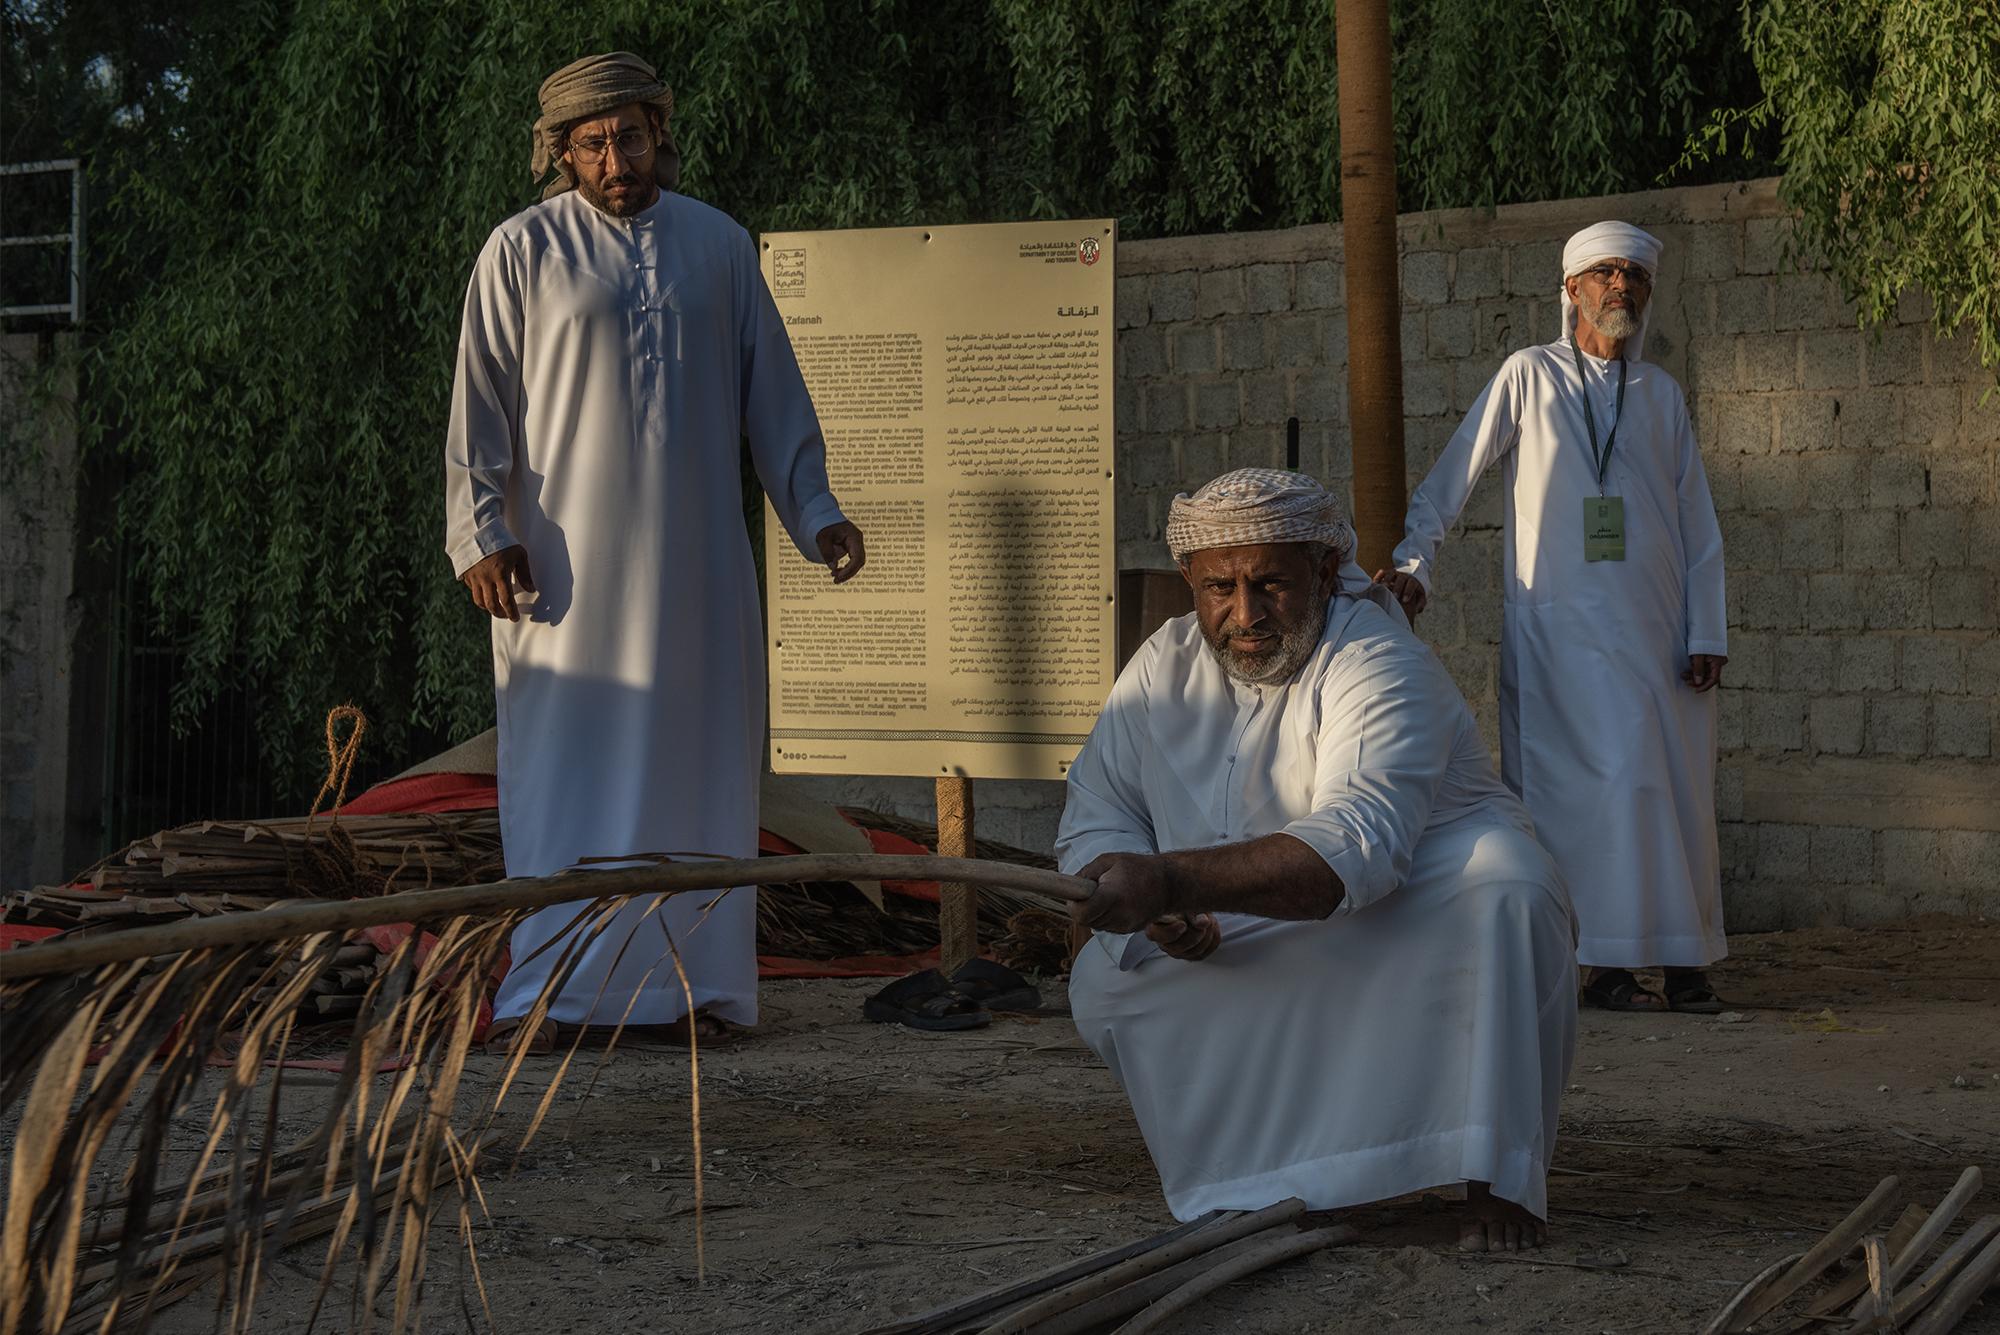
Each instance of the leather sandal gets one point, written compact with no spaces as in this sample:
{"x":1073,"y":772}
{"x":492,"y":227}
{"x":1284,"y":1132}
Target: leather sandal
{"x":1618,"y":990}
{"x":502,"y":1035}
{"x":925,"y":1000}
{"x":1690,"y":994}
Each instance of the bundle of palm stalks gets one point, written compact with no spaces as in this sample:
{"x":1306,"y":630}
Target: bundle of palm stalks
{"x":1860,"y":1278}
{"x":221,"y":866}
{"x":325,"y":857}
{"x":213,"y":1224}
{"x":1026,"y":932}
{"x":1137,"y":1287}
{"x":106,"y":1039}
{"x":242,"y":866}
{"x":826,"y":921}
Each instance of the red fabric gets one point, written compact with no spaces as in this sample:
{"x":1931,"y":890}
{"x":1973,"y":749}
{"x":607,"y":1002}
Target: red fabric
{"x":884,"y":842}
{"x":20,"y":934}
{"x":427,"y":792}
{"x":851,"y":966}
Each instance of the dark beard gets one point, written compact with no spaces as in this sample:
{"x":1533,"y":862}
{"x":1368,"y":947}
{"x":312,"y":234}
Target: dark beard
{"x":638,"y":201}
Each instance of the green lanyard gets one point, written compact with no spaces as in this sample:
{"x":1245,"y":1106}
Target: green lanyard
{"x":1602,"y":460}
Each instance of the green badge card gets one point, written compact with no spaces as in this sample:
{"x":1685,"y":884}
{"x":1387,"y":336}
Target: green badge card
{"x":1604,"y":528}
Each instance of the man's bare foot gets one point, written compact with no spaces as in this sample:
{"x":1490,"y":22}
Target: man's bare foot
{"x":1496,"y":1225}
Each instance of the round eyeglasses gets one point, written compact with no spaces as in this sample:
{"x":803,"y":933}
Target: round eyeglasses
{"x":632,"y":145}
{"x":1634,"y":276}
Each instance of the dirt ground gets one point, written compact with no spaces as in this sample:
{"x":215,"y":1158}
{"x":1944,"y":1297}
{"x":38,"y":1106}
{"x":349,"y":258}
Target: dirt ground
{"x":857,"y":1173}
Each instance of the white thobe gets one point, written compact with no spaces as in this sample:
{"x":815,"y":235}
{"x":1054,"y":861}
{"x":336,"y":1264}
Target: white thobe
{"x":1417,"y":1037}
{"x":1612,"y":752}
{"x":607,"y":371}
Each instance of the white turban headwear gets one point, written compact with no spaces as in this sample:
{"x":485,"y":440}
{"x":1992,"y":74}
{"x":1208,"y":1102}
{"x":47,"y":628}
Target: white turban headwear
{"x":1257,"y":505}
{"x":1611,"y":241}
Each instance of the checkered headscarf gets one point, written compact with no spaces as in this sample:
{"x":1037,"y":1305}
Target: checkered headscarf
{"x":1256,"y":505}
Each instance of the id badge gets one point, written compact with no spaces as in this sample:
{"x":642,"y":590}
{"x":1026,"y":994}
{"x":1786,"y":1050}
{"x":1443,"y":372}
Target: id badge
{"x":1604,"y":528}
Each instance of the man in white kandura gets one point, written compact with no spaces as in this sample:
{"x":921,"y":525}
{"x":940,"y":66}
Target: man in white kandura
{"x":1330,"y":959}
{"x":618,"y":344}
{"x":1614,"y":631}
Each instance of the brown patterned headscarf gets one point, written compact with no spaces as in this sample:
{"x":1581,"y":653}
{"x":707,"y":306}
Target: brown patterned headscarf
{"x":591,"y":87}
{"x":1255,"y":505}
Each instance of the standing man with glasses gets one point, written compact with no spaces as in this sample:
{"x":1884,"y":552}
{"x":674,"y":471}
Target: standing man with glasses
{"x":1614,"y":630}
{"x":618,"y":345}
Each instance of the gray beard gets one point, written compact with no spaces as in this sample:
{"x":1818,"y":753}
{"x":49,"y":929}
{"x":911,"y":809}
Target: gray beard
{"x":1295,"y":645}
{"x":1615,"y":324}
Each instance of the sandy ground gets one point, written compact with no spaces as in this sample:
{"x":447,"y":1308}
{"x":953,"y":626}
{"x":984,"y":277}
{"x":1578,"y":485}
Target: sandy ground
{"x":857,"y":1173}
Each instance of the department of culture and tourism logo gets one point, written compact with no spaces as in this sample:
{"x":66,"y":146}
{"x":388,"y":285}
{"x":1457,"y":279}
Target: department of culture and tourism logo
{"x":1088,"y":249}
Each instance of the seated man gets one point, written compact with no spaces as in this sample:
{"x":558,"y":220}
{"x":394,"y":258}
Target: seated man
{"x":1331,"y":961}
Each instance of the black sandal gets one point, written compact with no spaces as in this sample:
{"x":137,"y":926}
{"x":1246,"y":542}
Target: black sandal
{"x":1616,"y":990}
{"x":994,"y":986}
{"x":925,"y":1001}
{"x":1693,"y":995}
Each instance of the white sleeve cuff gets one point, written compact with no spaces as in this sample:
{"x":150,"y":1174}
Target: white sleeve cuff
{"x":469,"y":551}
{"x":818,"y":516}
{"x":1420,"y":568}
{"x":1338,"y":850}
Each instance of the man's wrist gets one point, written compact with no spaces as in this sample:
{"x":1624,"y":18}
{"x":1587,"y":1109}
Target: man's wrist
{"x":1180,"y":885}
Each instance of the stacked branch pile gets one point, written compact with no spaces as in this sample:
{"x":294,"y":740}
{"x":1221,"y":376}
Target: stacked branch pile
{"x":216,"y":866}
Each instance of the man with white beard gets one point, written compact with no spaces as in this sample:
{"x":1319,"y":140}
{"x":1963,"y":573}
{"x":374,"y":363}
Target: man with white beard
{"x":1614,"y":630}
{"x":1330,"y":959}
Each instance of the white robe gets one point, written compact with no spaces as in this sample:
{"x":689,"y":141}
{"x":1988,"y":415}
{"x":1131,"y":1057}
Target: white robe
{"x":607,"y":371}
{"x":1612,"y":752}
{"x":1420,"y":1035}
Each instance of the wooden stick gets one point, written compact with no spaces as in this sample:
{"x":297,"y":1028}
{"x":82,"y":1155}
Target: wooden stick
{"x":1730,"y":1317}
{"x":1962,"y":1293}
{"x":958,"y":903}
{"x":1265,"y":1253}
{"x":1913,"y":1299}
{"x":1906,"y":1259}
{"x":953,"y":1315}
{"x":1218,"y":1234}
{"x":1750,"y":1303}
{"x":301,"y":918}
{"x":1119,"y":1304}
{"x":1846,"y":1290}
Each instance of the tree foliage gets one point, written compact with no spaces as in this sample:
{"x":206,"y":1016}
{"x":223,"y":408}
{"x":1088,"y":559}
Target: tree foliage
{"x":296,"y":207}
{"x":1888,"y":120}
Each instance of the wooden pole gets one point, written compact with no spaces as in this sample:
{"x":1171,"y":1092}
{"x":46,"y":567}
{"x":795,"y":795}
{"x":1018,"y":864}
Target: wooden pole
{"x":1374,"y":294}
{"x":958,"y":903}
{"x":290,"y":919}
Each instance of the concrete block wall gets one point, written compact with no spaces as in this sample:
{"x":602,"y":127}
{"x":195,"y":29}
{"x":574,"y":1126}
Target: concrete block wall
{"x":1857,"y":478}
{"x":38,"y":494}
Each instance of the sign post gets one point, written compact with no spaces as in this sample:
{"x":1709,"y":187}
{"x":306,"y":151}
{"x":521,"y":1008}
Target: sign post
{"x":963,"y":379}
{"x":958,"y":904}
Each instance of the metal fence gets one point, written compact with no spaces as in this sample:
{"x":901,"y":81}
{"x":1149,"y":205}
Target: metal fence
{"x":156,"y":774}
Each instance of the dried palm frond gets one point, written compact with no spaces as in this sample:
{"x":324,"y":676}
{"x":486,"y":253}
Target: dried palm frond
{"x":107,"y":1036}
{"x":211,"y":867}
